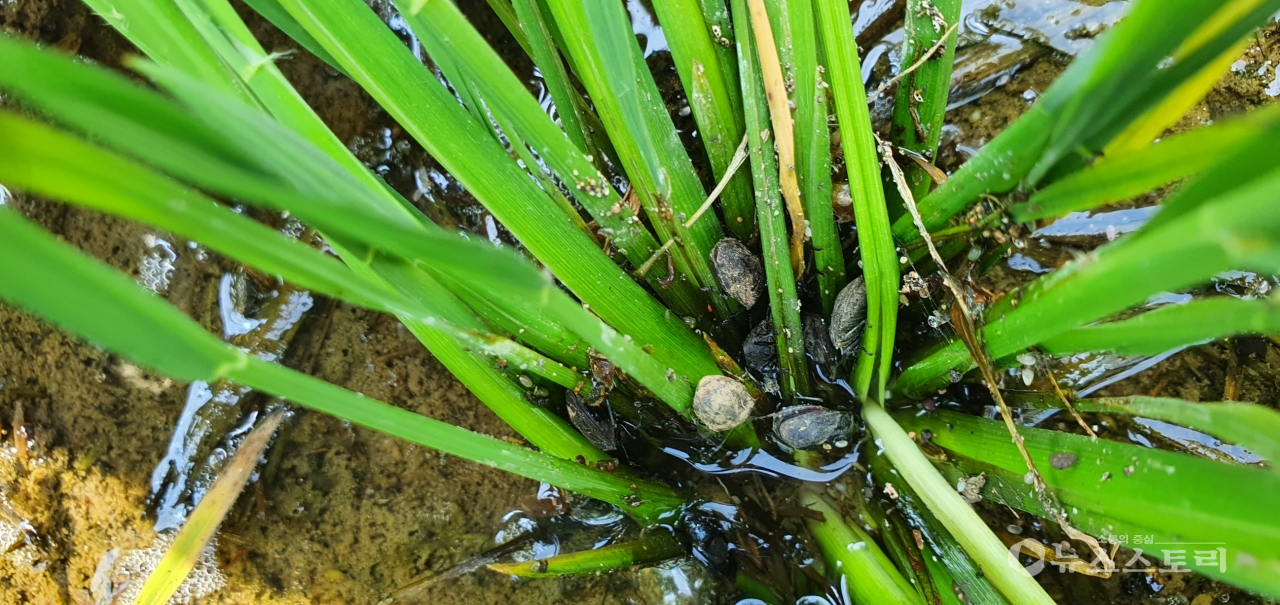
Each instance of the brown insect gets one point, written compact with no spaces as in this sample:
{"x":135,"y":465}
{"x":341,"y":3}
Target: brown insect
{"x":666,"y":282}
{"x":602,"y":433}
{"x":604,"y":373}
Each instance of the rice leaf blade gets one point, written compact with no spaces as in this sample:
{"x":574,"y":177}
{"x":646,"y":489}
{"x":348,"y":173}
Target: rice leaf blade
{"x":444,"y":30}
{"x":876,"y":247}
{"x":159,"y":29}
{"x":921,"y":101}
{"x":1234,"y":232}
{"x":241,"y":51}
{"x":54,"y":165}
{"x":942,"y":545}
{"x":325,"y":204}
{"x":201,"y":525}
{"x":849,"y":549}
{"x":507,"y":14}
{"x":409,"y":92}
{"x":654,"y":546}
{"x":543,"y":51}
{"x":1127,"y":174}
{"x":1104,"y":89}
{"x":1248,"y":425}
{"x":1141,"y":132}
{"x":1171,"y":327}
{"x":273,"y":12}
{"x":1120,"y":488}
{"x":125,"y":318}
{"x":813,"y":151}
{"x":607,"y":59}
{"x":713,"y":100}
{"x":940,"y":496}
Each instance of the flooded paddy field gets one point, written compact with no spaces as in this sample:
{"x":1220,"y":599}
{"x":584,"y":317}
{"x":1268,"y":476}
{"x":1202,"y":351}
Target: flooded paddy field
{"x":101,"y":461}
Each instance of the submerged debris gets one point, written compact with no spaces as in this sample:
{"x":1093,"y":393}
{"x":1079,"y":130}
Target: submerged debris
{"x":807,"y":426}
{"x":15,"y":531}
{"x":849,"y":316}
{"x":707,"y":538}
{"x":681,"y":581}
{"x":722,"y":403}
{"x":601,"y":433}
{"x":738,"y":270}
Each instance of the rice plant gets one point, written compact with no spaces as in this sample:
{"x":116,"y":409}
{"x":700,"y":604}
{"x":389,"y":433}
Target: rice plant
{"x":714,"y":280}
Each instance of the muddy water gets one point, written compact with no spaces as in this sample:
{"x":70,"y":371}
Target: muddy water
{"x":340,"y":514}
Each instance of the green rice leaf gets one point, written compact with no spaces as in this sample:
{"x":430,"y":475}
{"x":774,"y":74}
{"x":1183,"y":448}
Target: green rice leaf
{"x":1170,"y":327}
{"x":1249,"y":425}
{"x":444,"y":31}
{"x":125,"y":319}
{"x":45,"y":161}
{"x":1235,"y":231}
{"x":1123,"y":176}
{"x":942,"y":550}
{"x":709,"y":84}
{"x":813,"y":148}
{"x":273,"y":12}
{"x":876,"y":247}
{"x":507,"y":14}
{"x":41,"y":160}
{"x":605,"y":55}
{"x":921,"y":101}
{"x":507,"y":270}
{"x":872,"y":578}
{"x":1116,"y":79}
{"x":1250,"y":159}
{"x":201,"y":525}
{"x":1122,"y":489}
{"x":410,"y":93}
{"x":159,"y":29}
{"x":654,"y":546}
{"x":184,"y":353}
{"x":542,"y":49}
{"x":1232,"y":22}
{"x":956,"y":515}
{"x":325,"y":202}
{"x":1112,"y":83}
{"x":222,"y":28}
